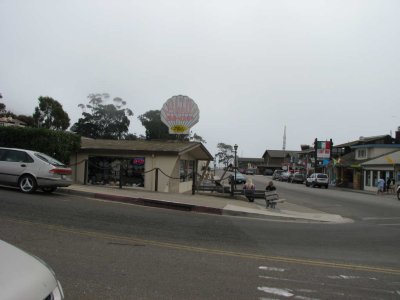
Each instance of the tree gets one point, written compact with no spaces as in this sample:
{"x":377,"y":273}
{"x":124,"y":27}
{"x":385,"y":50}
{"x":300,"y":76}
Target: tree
{"x":155,"y":128}
{"x":50,"y":114}
{"x":2,"y":108}
{"x":28,"y":120}
{"x":225,"y":153}
{"x":107,"y":121}
{"x":197,"y":138}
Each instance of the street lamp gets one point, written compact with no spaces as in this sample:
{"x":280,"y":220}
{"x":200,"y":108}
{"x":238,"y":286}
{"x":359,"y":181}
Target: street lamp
{"x":215,"y":164}
{"x":235,"y":147}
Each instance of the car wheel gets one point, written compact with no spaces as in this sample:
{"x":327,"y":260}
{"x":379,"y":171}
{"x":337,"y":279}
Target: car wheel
{"x":48,"y":190}
{"x":326,"y":186}
{"x":307,"y":184}
{"x":27,"y":184}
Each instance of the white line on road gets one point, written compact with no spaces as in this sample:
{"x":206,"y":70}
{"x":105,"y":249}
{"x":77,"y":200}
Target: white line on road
{"x":271,"y":269}
{"x":376,"y":218}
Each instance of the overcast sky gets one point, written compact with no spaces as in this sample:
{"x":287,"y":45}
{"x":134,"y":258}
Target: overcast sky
{"x":325,"y":69}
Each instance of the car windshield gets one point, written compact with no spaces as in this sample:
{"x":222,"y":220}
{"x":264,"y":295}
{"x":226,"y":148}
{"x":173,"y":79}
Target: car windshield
{"x":49,"y":159}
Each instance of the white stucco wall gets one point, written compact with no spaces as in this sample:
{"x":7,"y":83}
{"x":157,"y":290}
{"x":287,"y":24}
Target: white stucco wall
{"x":168,"y":164}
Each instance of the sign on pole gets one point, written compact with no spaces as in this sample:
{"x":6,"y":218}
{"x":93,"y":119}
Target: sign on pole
{"x":323,"y":149}
{"x":180,"y":113}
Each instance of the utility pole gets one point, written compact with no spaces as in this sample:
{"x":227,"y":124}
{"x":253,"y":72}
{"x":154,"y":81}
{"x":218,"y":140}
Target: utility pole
{"x":284,"y":139}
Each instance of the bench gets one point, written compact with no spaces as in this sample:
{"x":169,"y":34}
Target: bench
{"x":213,"y":188}
{"x":208,"y":188}
{"x":252,"y":194}
{"x":271,"y":199}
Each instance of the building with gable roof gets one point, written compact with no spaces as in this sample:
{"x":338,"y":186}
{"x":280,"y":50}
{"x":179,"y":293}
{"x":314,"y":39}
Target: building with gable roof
{"x":346,"y":168}
{"x":167,"y":166}
{"x":385,"y":166}
{"x":278,"y":159}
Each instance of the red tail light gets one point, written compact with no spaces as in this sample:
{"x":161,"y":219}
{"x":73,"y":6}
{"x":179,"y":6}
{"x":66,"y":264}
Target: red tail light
{"x":61,"y":171}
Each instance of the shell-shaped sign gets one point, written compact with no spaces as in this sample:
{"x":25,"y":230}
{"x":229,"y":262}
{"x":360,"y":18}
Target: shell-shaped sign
{"x":180,"y":113}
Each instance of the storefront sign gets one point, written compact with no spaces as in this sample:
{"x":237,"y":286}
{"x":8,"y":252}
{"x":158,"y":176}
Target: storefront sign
{"x":180,"y":113}
{"x":323,"y":149}
{"x":138,"y":161}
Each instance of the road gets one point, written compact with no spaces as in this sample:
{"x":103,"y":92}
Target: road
{"x":361,"y":207}
{"x":102,"y":250}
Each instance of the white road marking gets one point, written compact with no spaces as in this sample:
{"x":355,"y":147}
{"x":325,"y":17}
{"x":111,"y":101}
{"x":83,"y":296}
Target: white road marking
{"x":376,"y":218}
{"x":271,"y":269}
{"x":276,"y":291}
{"x":305,"y":298}
{"x":343,"y":277}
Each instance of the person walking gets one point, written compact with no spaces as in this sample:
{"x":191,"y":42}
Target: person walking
{"x":381,"y":186}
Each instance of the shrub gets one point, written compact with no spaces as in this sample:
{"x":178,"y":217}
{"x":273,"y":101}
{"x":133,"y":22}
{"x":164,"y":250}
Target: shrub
{"x":58,"y":144}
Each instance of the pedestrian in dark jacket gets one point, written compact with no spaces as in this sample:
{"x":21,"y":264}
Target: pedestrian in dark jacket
{"x":270,"y":187}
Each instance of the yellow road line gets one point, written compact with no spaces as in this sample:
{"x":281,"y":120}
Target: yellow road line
{"x":130,"y":240}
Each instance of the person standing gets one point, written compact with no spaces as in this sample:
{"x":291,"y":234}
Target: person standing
{"x":248,"y":190}
{"x":270,"y":195}
{"x":270,"y":187}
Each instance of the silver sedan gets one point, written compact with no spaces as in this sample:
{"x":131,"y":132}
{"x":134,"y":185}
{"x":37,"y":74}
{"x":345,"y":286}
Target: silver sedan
{"x":30,"y":170}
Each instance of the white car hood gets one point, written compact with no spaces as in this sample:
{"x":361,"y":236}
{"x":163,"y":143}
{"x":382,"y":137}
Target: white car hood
{"x":22,"y":276}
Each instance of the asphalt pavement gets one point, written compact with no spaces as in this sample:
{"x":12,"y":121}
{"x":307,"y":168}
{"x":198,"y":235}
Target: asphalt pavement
{"x":204,"y":202}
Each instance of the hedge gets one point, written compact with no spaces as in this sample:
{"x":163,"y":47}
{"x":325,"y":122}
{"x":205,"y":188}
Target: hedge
{"x":58,"y":144}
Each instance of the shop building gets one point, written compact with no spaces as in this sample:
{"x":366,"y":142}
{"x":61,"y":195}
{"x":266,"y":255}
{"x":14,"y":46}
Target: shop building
{"x":386,"y":166}
{"x":166,"y":166}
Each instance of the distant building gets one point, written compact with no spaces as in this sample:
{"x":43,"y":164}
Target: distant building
{"x":245,"y":163}
{"x":278,"y":159}
{"x":9,"y":121}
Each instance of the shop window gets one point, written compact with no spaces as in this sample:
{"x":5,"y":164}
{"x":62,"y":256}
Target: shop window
{"x":374,"y":178}
{"x":107,"y":171}
{"x":368,"y":178}
{"x":186,"y":170}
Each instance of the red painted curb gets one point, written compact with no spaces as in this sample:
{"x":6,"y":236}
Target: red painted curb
{"x":148,"y":202}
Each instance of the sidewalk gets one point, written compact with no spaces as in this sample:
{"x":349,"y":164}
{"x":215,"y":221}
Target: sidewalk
{"x":213,"y":203}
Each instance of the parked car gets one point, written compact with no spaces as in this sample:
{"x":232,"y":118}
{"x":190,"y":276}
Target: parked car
{"x":24,"y":276}
{"x":297,"y":177}
{"x":268,"y":172}
{"x":284,"y":176}
{"x":30,"y":170}
{"x":317,"y":179}
{"x":240,"y":178}
{"x":277,"y":174}
{"x":249,"y":172}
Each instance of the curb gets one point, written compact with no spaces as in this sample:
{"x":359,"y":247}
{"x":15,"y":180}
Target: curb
{"x":191,"y":207}
{"x":147,"y":202}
